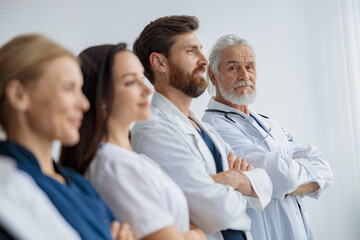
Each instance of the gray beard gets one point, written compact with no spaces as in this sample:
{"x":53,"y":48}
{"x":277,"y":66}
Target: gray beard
{"x":234,"y":98}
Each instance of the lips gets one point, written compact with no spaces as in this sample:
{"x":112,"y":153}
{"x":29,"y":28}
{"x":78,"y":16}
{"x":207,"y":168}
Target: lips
{"x":199,"y":70}
{"x":145,"y":104}
{"x":76,"y":121}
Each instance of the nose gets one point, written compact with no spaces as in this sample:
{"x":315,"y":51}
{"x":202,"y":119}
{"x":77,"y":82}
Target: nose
{"x":243,"y":74}
{"x":146,"y":90}
{"x":84,"y":102}
{"x":203,"y":61}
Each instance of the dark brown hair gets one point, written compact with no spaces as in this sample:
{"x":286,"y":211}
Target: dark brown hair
{"x":96,"y":65}
{"x":24,"y":58}
{"x":158,"y":36}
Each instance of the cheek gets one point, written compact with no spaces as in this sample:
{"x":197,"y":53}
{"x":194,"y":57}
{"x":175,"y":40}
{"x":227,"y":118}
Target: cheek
{"x":48,"y":117}
{"x":228,"y":82}
{"x":123,"y":104}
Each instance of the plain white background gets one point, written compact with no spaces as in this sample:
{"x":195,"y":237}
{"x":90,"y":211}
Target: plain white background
{"x":300,"y":66}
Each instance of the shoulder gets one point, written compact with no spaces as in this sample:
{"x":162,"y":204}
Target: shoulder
{"x":112,"y":162}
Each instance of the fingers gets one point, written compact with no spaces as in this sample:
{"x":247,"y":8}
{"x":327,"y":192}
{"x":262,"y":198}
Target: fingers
{"x":125,"y":232}
{"x":239,"y":163}
{"x":243,"y":164}
{"x":121,"y":231}
{"x":230,"y":159}
{"x":249,"y":167}
{"x":114,"y":228}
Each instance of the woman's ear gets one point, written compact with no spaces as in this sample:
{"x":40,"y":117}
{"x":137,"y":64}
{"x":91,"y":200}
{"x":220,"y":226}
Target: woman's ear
{"x":212,"y":77}
{"x":158,"y":61}
{"x":16,"y":95}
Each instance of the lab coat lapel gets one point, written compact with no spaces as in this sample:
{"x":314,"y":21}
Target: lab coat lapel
{"x":219,"y":146}
{"x":205,"y":152}
{"x":268,"y":139}
{"x":186,"y":128}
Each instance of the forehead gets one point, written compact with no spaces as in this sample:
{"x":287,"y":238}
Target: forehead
{"x":184,"y":40}
{"x":125,"y":62}
{"x":237,"y":53}
{"x":62,"y":68}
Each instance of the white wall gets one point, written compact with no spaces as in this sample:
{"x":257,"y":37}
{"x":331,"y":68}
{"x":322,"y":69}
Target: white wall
{"x":299,"y":61}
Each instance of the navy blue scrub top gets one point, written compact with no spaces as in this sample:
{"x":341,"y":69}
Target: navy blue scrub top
{"x":76,"y":200}
{"x":228,"y":234}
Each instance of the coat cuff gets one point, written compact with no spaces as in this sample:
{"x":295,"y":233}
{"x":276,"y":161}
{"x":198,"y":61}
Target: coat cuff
{"x":262,"y":186}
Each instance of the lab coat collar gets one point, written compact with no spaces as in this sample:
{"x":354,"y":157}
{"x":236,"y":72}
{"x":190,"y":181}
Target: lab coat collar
{"x":169,"y":109}
{"x":174,"y":114}
{"x":213,"y":104}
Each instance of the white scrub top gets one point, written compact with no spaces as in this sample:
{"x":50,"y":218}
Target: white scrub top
{"x":288,"y":163}
{"x":170,"y":139}
{"x":26,"y":212}
{"x":137,"y":191}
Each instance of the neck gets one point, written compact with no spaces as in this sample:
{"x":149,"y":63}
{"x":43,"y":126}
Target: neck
{"x":119,"y":133}
{"x":176,"y":97}
{"x":242,"y":108}
{"x":37,"y":145}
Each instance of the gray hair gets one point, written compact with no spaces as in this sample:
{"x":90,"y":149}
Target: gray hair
{"x":215,"y":53}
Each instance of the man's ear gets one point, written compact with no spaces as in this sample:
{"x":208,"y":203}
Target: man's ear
{"x":17,"y":95}
{"x":158,"y":61}
{"x":212,"y":77}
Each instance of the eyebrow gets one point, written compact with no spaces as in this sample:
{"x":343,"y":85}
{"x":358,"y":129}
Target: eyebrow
{"x":128,"y":74}
{"x":234,"y":61}
{"x":193,"y":46}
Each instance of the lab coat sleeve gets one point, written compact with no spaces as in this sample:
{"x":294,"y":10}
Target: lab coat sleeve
{"x":312,"y":159}
{"x":259,"y":179}
{"x":130,"y":196}
{"x":213,"y":207}
{"x":286,"y":175}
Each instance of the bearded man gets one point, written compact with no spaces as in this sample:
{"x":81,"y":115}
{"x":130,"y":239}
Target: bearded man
{"x":296,"y":170}
{"x":218,"y":188}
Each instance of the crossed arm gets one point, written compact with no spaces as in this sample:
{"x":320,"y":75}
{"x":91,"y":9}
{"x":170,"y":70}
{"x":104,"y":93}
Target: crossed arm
{"x":236,"y":178}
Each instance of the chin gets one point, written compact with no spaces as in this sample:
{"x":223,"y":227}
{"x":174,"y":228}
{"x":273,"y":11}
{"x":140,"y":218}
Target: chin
{"x":144,"y":117}
{"x":70,"y":141}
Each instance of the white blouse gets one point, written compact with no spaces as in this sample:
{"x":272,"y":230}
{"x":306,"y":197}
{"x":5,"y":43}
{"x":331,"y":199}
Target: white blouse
{"x":137,"y":190}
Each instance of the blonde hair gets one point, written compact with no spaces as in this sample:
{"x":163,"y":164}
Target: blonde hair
{"x":24,"y":58}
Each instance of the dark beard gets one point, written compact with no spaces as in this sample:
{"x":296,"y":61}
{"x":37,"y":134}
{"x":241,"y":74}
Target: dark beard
{"x":191,"y":85}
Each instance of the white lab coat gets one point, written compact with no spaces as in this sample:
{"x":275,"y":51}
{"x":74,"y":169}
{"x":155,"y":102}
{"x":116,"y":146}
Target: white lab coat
{"x":170,"y":139}
{"x":137,"y":191}
{"x":288,"y":163}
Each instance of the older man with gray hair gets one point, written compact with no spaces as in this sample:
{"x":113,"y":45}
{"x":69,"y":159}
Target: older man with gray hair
{"x":296,"y":170}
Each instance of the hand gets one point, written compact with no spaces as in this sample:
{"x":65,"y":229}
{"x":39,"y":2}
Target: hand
{"x":121,"y":231}
{"x":230,"y":178}
{"x":234,"y":176}
{"x":195,"y":233}
{"x":239,"y":163}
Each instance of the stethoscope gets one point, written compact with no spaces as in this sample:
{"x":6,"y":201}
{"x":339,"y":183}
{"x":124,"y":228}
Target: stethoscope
{"x":226,"y":114}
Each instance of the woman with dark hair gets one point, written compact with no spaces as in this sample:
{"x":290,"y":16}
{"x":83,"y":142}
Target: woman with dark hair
{"x":40,"y":101}
{"x":135,"y":188}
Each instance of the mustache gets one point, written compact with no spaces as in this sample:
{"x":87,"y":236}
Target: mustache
{"x":200,"y":68}
{"x":243,"y":83}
